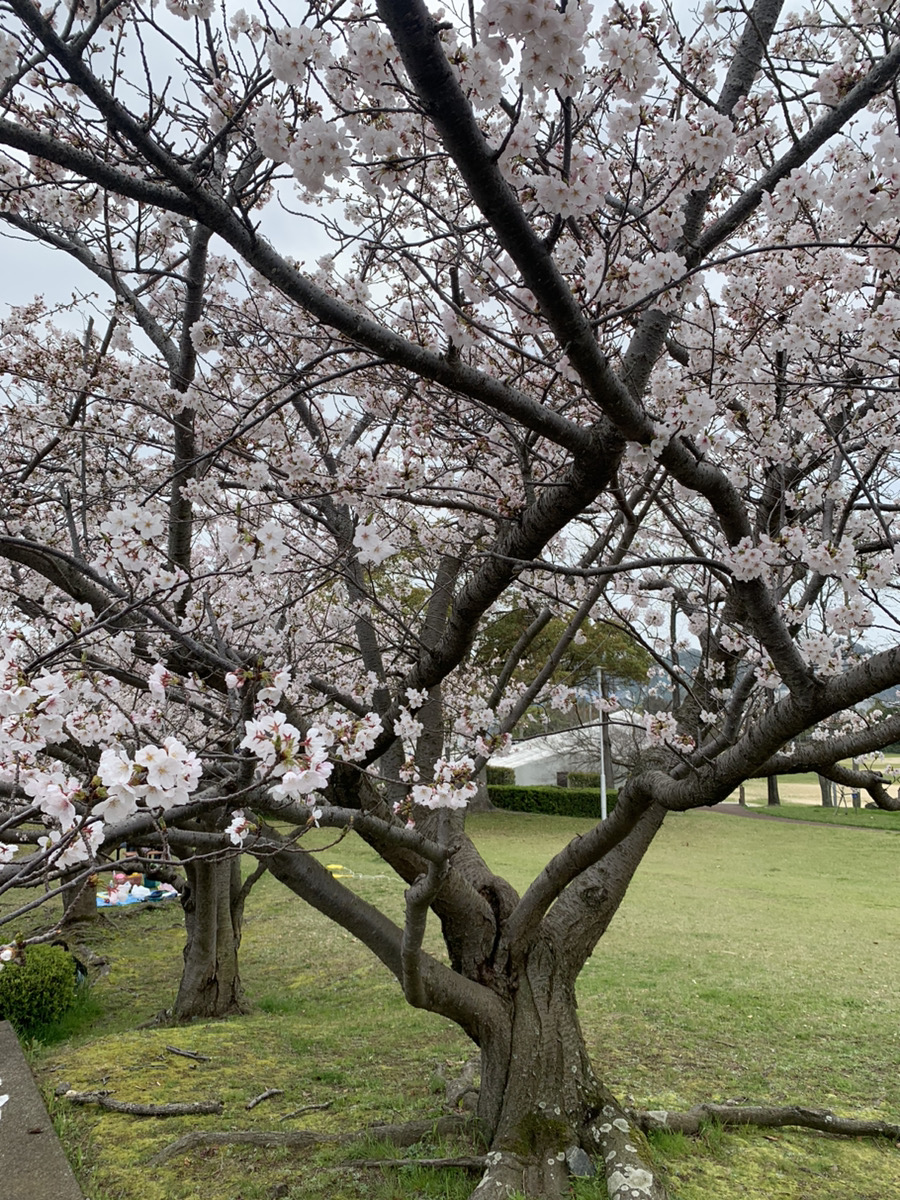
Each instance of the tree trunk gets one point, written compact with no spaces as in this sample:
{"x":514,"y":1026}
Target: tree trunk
{"x":772,"y":797}
{"x":481,"y":801}
{"x":80,"y":902}
{"x":545,"y":1111}
{"x":213,"y":903}
{"x":826,"y":787}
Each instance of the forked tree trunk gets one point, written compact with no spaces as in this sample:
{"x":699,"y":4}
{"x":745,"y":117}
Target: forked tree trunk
{"x":541,"y":1102}
{"x":213,"y":903}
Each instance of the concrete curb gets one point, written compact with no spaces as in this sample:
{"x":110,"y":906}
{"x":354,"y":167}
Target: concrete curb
{"x":33,"y":1165}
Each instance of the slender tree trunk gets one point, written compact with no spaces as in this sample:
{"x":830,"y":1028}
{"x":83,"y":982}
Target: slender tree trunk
{"x":826,"y":787}
{"x":213,"y":903}
{"x":772,"y":796}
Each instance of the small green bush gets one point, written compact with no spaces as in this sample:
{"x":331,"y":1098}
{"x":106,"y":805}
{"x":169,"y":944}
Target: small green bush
{"x":501,"y":777}
{"x":36,"y":993}
{"x":552,"y":801}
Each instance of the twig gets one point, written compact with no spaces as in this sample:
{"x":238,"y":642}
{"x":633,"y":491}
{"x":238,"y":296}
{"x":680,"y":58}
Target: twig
{"x":188,"y":1054}
{"x":305,"y":1109}
{"x":194,"y":1109}
{"x":266,"y":1095}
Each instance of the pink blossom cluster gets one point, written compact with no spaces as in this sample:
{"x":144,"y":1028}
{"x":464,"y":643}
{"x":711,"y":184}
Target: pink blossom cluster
{"x":750,"y":559}
{"x":452,"y":786}
{"x":300,"y":764}
{"x":582,"y":190}
{"x":9,"y":57}
{"x":129,"y":534}
{"x":373,"y":545}
{"x":354,"y":737}
{"x":318,"y":153}
{"x":263,"y":549}
{"x":627,"y":53}
{"x":847,"y":619}
{"x":662,"y":730}
{"x":701,"y":142}
{"x":407,"y":728}
{"x":156,"y":777}
{"x":551,"y":40}
{"x":293,"y":50}
{"x":202,"y":10}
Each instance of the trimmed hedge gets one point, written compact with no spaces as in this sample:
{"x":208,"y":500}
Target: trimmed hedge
{"x":501,"y":777}
{"x":36,"y":993}
{"x":584,"y":779}
{"x":551,"y":801}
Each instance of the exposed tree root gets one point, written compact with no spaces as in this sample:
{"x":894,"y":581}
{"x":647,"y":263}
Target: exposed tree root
{"x":506,"y":1174}
{"x":765,"y":1116}
{"x":399,"y":1135}
{"x":617,"y":1138}
{"x":465,"y":1162}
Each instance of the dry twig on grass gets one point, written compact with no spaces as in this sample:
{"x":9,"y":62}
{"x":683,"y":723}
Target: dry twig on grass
{"x":188,"y":1054}
{"x":266,"y":1095}
{"x":305,"y":1109}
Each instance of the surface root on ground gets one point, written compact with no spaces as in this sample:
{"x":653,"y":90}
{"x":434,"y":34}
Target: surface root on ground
{"x":764,"y":1116}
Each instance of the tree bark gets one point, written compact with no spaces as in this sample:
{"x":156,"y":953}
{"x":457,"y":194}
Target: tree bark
{"x":80,"y":902}
{"x":213,"y":903}
{"x":541,"y":1100}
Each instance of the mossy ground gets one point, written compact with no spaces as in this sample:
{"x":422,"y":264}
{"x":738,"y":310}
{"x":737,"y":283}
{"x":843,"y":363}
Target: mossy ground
{"x":751,"y":959}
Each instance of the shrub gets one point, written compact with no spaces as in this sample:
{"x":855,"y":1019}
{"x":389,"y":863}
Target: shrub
{"x":552,"y":801}
{"x":501,"y":777}
{"x":35,"y":993}
{"x":584,"y":779}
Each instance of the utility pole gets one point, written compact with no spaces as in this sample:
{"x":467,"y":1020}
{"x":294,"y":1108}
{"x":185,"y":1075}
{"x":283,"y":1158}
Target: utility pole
{"x":602,"y":753}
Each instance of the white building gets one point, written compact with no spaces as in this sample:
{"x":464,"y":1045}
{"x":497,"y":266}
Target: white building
{"x":539,"y":761}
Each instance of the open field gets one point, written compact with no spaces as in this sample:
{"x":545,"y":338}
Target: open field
{"x":802,"y":789}
{"x":752,"y":959}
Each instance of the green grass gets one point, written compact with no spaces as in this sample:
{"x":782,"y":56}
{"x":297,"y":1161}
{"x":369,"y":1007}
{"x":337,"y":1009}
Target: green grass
{"x":862,"y":818}
{"x":751,"y":959}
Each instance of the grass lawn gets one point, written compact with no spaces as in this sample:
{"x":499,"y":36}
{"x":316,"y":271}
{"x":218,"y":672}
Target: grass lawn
{"x":843,"y":818}
{"x":751,"y":959}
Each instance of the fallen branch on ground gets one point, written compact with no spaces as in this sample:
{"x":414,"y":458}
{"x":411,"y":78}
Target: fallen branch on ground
{"x":764,"y":1116}
{"x":198,"y":1108}
{"x":305,"y":1109}
{"x":266,"y":1095}
{"x":189,"y":1054}
{"x":301,"y":1139}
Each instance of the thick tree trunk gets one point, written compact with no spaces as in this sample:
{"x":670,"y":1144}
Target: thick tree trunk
{"x":80,"y":902}
{"x":213,"y":903}
{"x":546,"y":1111}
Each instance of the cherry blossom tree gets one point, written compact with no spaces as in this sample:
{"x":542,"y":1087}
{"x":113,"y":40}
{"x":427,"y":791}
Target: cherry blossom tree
{"x":405,"y":319}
